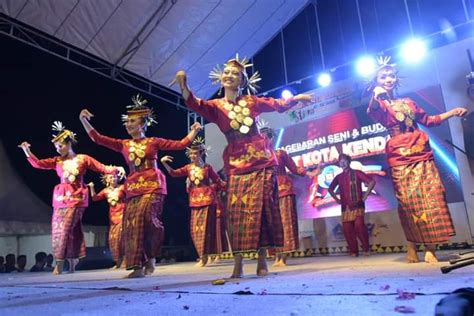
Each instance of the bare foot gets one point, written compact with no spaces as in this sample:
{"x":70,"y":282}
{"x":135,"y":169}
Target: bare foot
{"x":217,"y":259}
{"x":354,"y":255}
{"x":262,"y":269}
{"x":136,"y":273}
{"x":367,"y":253}
{"x":203,"y":261}
{"x":280,"y":261}
{"x":58,"y":269}
{"x":430,"y":254}
{"x":238,"y":267}
{"x":412,"y":256}
{"x":150,"y":267}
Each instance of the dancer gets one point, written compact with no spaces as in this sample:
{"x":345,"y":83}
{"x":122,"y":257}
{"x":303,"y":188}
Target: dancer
{"x":286,"y":199}
{"x":422,"y":206}
{"x":253,"y":217}
{"x":114,"y":193}
{"x":202,"y":199}
{"x":70,"y":197}
{"x":352,"y":202}
{"x":145,"y":187}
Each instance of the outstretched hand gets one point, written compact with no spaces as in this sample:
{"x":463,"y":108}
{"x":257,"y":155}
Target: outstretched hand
{"x":167,"y":159}
{"x":24,"y":145}
{"x":85,"y":114}
{"x":196,"y":127}
{"x":121,"y":172}
{"x":179,"y":78}
{"x":459,"y":111}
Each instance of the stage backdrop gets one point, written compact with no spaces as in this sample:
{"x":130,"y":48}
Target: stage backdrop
{"x":338,"y":123}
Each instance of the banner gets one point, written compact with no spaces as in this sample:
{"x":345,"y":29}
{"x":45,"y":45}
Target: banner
{"x":351,"y":131}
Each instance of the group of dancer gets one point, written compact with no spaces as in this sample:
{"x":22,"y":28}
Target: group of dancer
{"x":260,"y":203}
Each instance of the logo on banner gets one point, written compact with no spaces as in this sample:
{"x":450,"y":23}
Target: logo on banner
{"x":328,"y":100}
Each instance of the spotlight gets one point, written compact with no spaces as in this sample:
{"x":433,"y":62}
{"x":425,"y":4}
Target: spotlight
{"x":365,"y":66}
{"x":324,"y":79}
{"x":286,"y":94}
{"x":413,"y":50}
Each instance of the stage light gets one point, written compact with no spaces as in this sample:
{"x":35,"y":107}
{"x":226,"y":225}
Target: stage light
{"x":278,"y":140}
{"x":413,"y":50}
{"x":444,"y":157}
{"x":365,"y":66}
{"x":324,"y":79}
{"x":286,"y":94}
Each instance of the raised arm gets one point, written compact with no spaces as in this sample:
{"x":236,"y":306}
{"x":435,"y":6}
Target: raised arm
{"x":168,"y":144}
{"x":206,"y":109}
{"x":175,"y":173}
{"x":109,"y":142}
{"x":96,"y":197}
{"x":282,"y":105}
{"x":48,"y":163}
{"x":442,"y":117}
{"x":96,"y":166}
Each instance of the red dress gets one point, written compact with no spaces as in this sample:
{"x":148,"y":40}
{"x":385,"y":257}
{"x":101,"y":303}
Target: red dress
{"x":116,"y":199}
{"x":70,"y":198}
{"x":145,"y":188}
{"x":253,"y":217}
{"x":422,"y":206}
{"x":287,"y":200}
{"x":203,"y":202}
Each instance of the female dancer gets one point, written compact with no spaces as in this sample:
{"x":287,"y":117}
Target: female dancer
{"x":114,"y":193}
{"x":70,"y":197}
{"x":286,"y":199}
{"x":422,"y":207}
{"x":202,"y":199}
{"x":252,"y":207}
{"x":145,"y":187}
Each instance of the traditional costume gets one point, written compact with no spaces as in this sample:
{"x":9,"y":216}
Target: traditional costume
{"x":352,"y":208}
{"x":145,"y":187}
{"x":70,"y":197}
{"x":422,"y":206}
{"x":202,"y":190}
{"x":115,"y":197}
{"x":252,"y":202}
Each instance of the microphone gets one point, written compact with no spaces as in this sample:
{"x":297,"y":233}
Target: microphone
{"x":383,"y":96}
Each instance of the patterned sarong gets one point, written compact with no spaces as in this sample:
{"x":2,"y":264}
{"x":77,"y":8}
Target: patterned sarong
{"x":115,"y":241}
{"x":422,"y":207}
{"x":143,"y":231}
{"x":67,"y":235}
{"x":252,"y":210}
{"x":289,"y":219}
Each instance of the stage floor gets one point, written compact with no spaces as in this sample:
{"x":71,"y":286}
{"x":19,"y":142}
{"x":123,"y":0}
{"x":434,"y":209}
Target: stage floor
{"x":333,"y":285}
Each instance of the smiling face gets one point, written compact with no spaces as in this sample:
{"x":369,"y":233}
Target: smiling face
{"x":194,"y":155}
{"x":111,"y":180}
{"x":387,"y":78}
{"x":63,"y":148}
{"x":232,"y":78}
{"x":134,"y":126}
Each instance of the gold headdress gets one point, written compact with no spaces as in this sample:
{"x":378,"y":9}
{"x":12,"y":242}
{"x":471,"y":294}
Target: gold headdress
{"x":139,"y":110}
{"x":63,"y":134}
{"x":103,"y":177}
{"x":250,"y":84}
{"x":199,"y":145}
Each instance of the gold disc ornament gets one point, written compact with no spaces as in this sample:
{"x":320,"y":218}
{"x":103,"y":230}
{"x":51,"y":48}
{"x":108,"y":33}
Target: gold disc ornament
{"x":400,"y":116}
{"x":234,"y":124}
